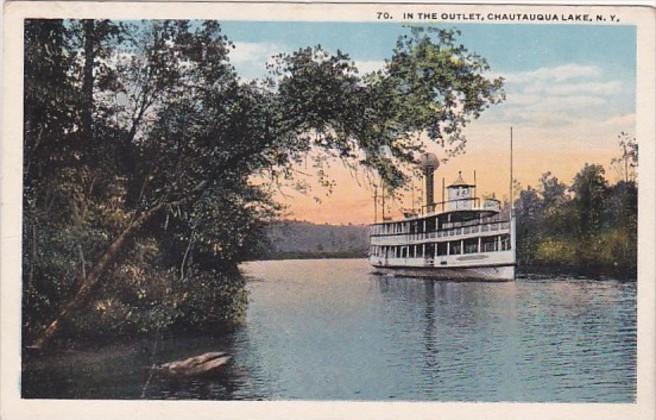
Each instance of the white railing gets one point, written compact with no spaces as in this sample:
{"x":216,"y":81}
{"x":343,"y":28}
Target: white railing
{"x":451,"y":234}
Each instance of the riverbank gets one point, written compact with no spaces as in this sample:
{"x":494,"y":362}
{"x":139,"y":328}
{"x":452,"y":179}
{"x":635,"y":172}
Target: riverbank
{"x":543,"y":270}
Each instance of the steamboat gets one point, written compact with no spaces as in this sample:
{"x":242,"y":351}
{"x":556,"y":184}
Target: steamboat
{"x":462,"y":237}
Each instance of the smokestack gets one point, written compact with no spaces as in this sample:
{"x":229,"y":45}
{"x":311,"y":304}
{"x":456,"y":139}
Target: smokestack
{"x":430,"y":188}
{"x":429,"y":164}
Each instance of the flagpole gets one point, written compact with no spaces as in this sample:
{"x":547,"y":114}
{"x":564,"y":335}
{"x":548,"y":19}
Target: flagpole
{"x":511,"y":172}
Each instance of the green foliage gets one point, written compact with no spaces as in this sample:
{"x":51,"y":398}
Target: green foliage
{"x":589,"y":188}
{"x":552,"y":251}
{"x":590,"y":227}
{"x":185,"y":137}
{"x":431,"y":85}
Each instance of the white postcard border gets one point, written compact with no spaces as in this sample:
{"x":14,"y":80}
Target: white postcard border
{"x":13,"y":407}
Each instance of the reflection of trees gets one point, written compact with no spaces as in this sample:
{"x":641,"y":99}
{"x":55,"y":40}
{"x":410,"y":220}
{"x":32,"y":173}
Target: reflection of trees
{"x":431,"y":363}
{"x":449,"y":321}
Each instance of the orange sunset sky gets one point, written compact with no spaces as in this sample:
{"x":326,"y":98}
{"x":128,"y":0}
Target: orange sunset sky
{"x":536,"y":151}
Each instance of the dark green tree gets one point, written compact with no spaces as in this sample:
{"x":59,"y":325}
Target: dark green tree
{"x":556,"y":206}
{"x":141,"y":164}
{"x":529,"y":210}
{"x":589,"y":188}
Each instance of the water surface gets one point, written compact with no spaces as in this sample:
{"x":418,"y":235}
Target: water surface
{"x":330,"y":330}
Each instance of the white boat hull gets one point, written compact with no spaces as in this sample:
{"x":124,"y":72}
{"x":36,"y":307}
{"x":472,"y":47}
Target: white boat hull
{"x":489,"y":273}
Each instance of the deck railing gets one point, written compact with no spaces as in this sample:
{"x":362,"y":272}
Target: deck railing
{"x":403,"y":238}
{"x":467,"y":203}
{"x":473,"y":226}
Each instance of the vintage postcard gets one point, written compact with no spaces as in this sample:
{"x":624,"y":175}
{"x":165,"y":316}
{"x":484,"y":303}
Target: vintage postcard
{"x":304,"y":210}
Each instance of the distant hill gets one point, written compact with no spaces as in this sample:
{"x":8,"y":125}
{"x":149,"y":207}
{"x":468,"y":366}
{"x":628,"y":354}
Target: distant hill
{"x":300,"y":239}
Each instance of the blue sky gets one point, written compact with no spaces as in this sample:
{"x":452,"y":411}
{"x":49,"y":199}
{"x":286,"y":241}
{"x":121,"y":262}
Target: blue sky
{"x":603,"y":55}
{"x":507,"y":47}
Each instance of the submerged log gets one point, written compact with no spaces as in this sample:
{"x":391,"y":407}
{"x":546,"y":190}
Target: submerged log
{"x":201,"y":365}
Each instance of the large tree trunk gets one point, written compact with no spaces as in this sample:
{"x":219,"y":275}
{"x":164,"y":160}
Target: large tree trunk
{"x":88,"y":283}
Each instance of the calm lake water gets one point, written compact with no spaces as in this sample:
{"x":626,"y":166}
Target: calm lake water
{"x":328,"y":329}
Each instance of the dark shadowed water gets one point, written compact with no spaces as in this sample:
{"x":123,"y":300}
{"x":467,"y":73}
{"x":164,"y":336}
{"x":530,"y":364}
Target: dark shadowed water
{"x":327,"y":329}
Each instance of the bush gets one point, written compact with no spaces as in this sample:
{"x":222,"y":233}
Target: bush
{"x":556,"y":252}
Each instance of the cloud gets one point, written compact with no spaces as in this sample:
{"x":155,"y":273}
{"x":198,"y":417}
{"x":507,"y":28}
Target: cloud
{"x":367,"y":66}
{"x":557,"y":73}
{"x":611,"y":87}
{"x":561,"y":96}
{"x":622,"y":121}
{"x":260,"y":52}
{"x":250,"y":58}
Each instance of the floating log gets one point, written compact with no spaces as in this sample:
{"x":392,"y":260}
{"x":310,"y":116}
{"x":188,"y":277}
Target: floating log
{"x":201,"y":365}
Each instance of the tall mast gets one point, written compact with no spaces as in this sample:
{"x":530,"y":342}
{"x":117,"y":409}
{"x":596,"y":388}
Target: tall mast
{"x":513,"y":228}
{"x":412,"y":186}
{"x":383,"y":192}
{"x":511,"y":173}
{"x":375,"y":203}
{"x":475,"y":186}
{"x":443,"y":194}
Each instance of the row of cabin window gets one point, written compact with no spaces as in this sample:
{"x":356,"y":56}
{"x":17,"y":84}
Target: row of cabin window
{"x":465,"y":246}
{"x":431,"y":226}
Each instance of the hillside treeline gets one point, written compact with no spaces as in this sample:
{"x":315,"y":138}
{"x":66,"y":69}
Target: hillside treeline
{"x":297,"y":239}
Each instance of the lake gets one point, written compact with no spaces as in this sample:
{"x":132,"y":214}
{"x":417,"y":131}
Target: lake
{"x":330,"y":330}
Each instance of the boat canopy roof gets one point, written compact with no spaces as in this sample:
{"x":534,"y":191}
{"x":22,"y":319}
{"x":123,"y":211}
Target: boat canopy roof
{"x":460,"y":182}
{"x":420,"y":217}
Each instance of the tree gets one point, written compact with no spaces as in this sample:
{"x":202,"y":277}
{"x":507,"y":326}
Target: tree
{"x":627,"y":162}
{"x":171,"y":165}
{"x":431,"y":86}
{"x":555,"y":206}
{"x":529,"y":209}
{"x":146,"y":174}
{"x":589,"y":188}
{"x":593,"y":230}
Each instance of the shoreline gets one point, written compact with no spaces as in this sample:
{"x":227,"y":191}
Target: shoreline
{"x":531,"y":269}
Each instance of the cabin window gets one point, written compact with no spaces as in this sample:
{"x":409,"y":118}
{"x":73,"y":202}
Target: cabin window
{"x":441,"y":248}
{"x":505,"y":242}
{"x":471,"y":246}
{"x":430,"y":251}
{"x":489,"y":244}
{"x":454,"y":247}
{"x":430,"y":224}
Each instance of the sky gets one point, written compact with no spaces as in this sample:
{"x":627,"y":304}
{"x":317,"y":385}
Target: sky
{"x":570,"y":91}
